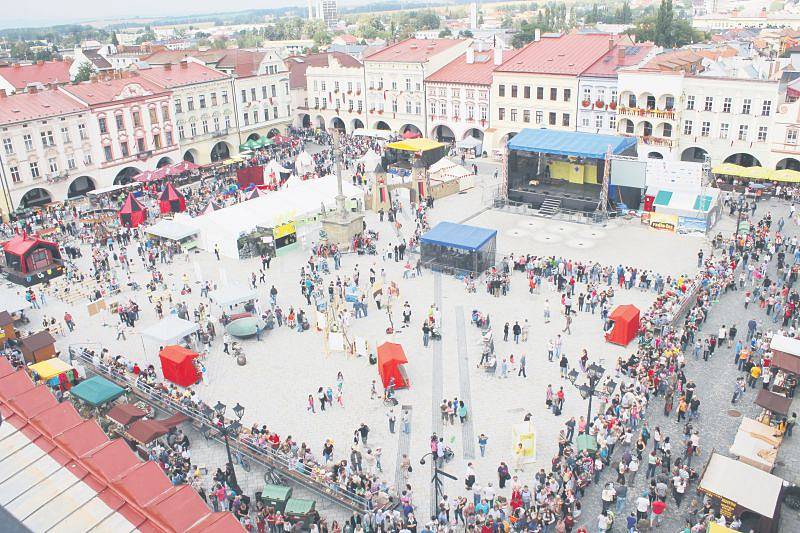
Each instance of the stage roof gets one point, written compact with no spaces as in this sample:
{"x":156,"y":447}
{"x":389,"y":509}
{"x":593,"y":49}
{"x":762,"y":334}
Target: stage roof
{"x":458,"y":236}
{"x":569,"y":143}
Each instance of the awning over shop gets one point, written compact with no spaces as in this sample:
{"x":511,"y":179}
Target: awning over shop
{"x":170,"y":330}
{"x":773,"y":402}
{"x":569,"y":143}
{"x":420,"y":144}
{"x":125,"y":414}
{"x":232,"y":294}
{"x":50,"y":368}
{"x":97,"y":390}
{"x":785,"y":353}
{"x":747,"y":486}
{"x":757,"y":173}
{"x":459,"y":236}
{"x":171,"y":230}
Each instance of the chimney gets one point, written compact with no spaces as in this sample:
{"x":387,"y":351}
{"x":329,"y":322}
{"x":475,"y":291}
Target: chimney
{"x":610,"y":43}
{"x":184,"y":64}
{"x":470,"y":56}
{"x":168,"y":66}
{"x":620,"y":53}
{"x":498,"y":56}
{"x":537,"y":35}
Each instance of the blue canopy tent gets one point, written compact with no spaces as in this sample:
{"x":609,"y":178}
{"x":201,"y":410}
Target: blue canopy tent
{"x":458,"y":248}
{"x":570,"y":143}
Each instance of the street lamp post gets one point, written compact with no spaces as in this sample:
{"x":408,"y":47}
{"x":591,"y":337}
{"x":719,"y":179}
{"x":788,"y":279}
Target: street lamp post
{"x":588,"y":390}
{"x":436,"y":481}
{"x":232,"y":428}
{"x":739,"y":208}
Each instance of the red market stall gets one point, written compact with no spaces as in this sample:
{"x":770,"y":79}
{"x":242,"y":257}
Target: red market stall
{"x":624,"y":325}
{"x":133,"y":213}
{"x":391,"y":357}
{"x":179,"y":168}
{"x":177,"y":365}
{"x":31,"y":260}
{"x":171,"y":201}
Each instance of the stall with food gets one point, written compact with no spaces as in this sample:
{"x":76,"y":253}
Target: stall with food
{"x":785,"y":364}
{"x":756,"y":444}
{"x":144,"y":432}
{"x":55,"y":373}
{"x":738,"y":489}
{"x":171,"y":230}
{"x":125,"y":414}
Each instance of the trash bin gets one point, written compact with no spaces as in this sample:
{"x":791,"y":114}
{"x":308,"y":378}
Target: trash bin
{"x":300,"y":510}
{"x":276,"y":496}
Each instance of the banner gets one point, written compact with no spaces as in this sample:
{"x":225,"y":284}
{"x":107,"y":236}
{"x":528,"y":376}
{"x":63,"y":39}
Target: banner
{"x":248,"y":175}
{"x":691,"y":225}
{"x":664,"y":222}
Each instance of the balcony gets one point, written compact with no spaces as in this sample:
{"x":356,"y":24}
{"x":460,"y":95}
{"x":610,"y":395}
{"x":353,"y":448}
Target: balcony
{"x":668,"y":114}
{"x":656,"y":141}
{"x":220,"y":133}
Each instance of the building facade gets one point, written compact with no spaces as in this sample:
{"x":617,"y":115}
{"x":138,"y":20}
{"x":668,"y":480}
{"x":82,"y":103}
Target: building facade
{"x":335,"y":95}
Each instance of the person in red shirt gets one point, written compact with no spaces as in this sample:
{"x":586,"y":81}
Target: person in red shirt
{"x":658,"y":507}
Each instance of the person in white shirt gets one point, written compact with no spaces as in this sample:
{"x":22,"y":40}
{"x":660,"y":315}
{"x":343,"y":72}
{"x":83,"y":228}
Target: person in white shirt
{"x":642,"y":506}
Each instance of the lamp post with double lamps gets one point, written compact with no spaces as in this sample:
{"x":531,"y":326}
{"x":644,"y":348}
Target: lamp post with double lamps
{"x":590,"y":389}
{"x":232,"y":429}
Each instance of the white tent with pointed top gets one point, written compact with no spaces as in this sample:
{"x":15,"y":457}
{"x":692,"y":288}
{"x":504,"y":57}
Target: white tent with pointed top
{"x":304,"y":163}
{"x":371,"y":161}
{"x":210,"y":208}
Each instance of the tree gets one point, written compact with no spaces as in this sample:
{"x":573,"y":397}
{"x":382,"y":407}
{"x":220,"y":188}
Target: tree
{"x":21,"y":50}
{"x":85,"y":71}
{"x":466,"y":34}
{"x":445,"y":33}
{"x":114,"y":39}
{"x":664,"y":31}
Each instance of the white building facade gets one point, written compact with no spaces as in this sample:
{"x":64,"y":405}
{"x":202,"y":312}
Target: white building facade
{"x":335,"y":95}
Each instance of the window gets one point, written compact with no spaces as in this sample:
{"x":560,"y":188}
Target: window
{"x":213,"y":99}
{"x":52,"y":163}
{"x":709,"y":104}
{"x":553,"y":93}
{"x":567,"y":95}
{"x":394,"y":85}
{"x":153,"y":116}
{"x":193,"y":126}
{"x":107,"y":153}
{"x":178,"y":105}
{"x":513,"y":91}
{"x":65,"y":135}
{"x":743,"y":132}
{"x":762,"y":134}
{"x":253,"y":93}
{"x":274,"y":91}
{"x":205,"y":124}
{"x":137,"y":119}
{"x":667,"y":130}
{"x":690,"y":102}
{"x":791,"y":136}
{"x":8,"y":146}
{"x":28,"y":142}
{"x":585,"y":121}
{"x":125,"y":151}
{"x":669,"y":103}
{"x":433,"y":108}
{"x":349,"y":86}
{"x":246,"y":120}
{"x":408,"y":84}
{"x":227,"y":122}
{"x":216,"y":123}
{"x":82,"y":132}
{"x":526,"y":92}
{"x":471,"y":112}
{"x":190,"y":103}
{"x":612,"y":122}
{"x":724,"y":128}
{"x":766,"y":108}
{"x":456,"y":109}
{"x":539,"y":117}
{"x":705,"y":129}
{"x":244,"y":95}
{"x":181,"y":133}
{"x":266,"y":115}
{"x":614,"y":96}
{"x":87,"y":159}
{"x":165,"y":112}
{"x":120,"y":121}
{"x":631,"y":100}
{"x":501,"y":113}
{"x":47,"y":138}
{"x":34,"y":166}
{"x":394,"y":106}
{"x":101,"y":122}
{"x":552,"y":118}
{"x":443,"y":109}
{"x":727,"y":103}
{"x":598,"y":122}
{"x":513,"y":115}
{"x":687,"y":127}
{"x":157,"y":142}
{"x":587,"y":94}
{"x":526,"y":115}
{"x":501,"y":90}
{"x":264,"y":91}
{"x":540,"y":93}
{"x":169,"y":138}
{"x":15,"y":177}
{"x":565,"y":119}
{"x":746,"y":106}
{"x":408,"y":108}
{"x":224,"y":97}
{"x":71,"y":165}
{"x":140,"y":147}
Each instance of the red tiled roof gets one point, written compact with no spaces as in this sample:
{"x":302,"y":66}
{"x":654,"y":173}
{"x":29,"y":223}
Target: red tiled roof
{"x":162,"y":57}
{"x":21,"y":107}
{"x":21,"y":76}
{"x":620,"y":56}
{"x":186,"y":73}
{"x":242,"y":62}
{"x":298,"y":65}
{"x":567,"y":55}
{"x":477,"y":73}
{"x":108,"y":90}
{"x":413,"y":50}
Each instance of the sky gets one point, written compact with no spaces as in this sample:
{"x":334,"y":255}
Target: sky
{"x":50,"y":12}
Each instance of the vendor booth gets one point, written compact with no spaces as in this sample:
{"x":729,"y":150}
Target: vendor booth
{"x":7,"y":331}
{"x":97,"y":391}
{"x":31,"y":260}
{"x":738,"y":489}
{"x":177,"y":365}
{"x":471,"y":144}
{"x":38,"y":347}
{"x":275,"y":496}
{"x":391,"y":359}
{"x":524,"y":434}
{"x":300,"y":510}
{"x":125,"y":414}
{"x":684,"y":212}
{"x":458,"y":248}
{"x":756,"y":444}
{"x":775,"y":407}
{"x":170,"y":330}
{"x":785,"y":364}
{"x":55,"y":373}
{"x":145,"y":431}
{"x":624,"y":325}
{"x":448,"y":178}
{"x":133,"y":213}
{"x":233,"y":294}
{"x":171,"y":200}
{"x":171,"y":230}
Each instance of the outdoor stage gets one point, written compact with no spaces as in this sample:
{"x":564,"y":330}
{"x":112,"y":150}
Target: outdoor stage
{"x":573,"y":196}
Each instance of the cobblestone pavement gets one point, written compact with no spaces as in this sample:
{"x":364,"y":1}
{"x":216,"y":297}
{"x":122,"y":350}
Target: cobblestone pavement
{"x":717,"y":422}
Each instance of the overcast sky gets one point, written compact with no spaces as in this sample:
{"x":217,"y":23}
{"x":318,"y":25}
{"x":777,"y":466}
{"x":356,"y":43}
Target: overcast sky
{"x":50,"y":12}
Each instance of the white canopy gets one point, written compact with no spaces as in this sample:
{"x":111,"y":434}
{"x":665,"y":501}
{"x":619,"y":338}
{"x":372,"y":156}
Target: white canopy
{"x":378,"y":134}
{"x":273,"y":167}
{"x":440,"y":165}
{"x":371,"y":160}
{"x":169,"y":229}
{"x":469,"y":142}
{"x":304,"y":162}
{"x":232,"y":294}
{"x":12,"y":302}
{"x":743,"y":484}
{"x":785,"y":344}
{"x":170,"y":330}
{"x":114,"y":188}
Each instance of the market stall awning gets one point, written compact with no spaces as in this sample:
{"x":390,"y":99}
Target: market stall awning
{"x":50,"y":368}
{"x":97,"y":390}
{"x":785,"y":175}
{"x":773,"y":402}
{"x":785,"y":353}
{"x":170,"y":330}
{"x":420,"y":144}
{"x":378,"y":134}
{"x":459,"y":236}
{"x":125,"y":414}
{"x":747,"y":486}
{"x":171,"y":230}
{"x":233,"y":293}
{"x":469,"y":142}
{"x":569,"y":143}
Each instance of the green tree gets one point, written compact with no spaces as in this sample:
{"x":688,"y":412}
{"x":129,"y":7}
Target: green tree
{"x":445,"y":33}
{"x":664,"y":30}
{"x":465,"y":34}
{"x":85,"y":71}
{"x":114,"y":39}
{"x":21,"y":50}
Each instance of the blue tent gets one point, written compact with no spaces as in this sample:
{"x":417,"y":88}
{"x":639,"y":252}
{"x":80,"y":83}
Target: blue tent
{"x":569,"y":143}
{"x":458,"y":236}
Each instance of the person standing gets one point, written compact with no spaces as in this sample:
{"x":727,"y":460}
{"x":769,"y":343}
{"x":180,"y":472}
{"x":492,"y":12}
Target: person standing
{"x":522,"y":363}
{"x":517,"y":331}
{"x":390,"y":416}
{"x":68,"y":320}
{"x":482,"y":440}
{"x":226,"y":342}
{"x":426,"y":334}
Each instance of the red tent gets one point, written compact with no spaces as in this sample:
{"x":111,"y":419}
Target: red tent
{"x":177,"y":365}
{"x":132,"y":213}
{"x":391,"y":357}
{"x":180,"y":168}
{"x":171,"y":201}
{"x":31,"y":260}
{"x":410,"y":134}
{"x":625,"y":325}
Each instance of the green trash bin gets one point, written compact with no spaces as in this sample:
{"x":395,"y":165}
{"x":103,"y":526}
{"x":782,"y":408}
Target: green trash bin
{"x":300,"y":510}
{"x":276,"y":496}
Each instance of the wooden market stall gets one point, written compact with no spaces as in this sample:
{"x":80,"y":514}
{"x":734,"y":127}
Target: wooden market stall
{"x":38,"y":347}
{"x":785,"y":364}
{"x":775,"y":406}
{"x":7,"y":331}
{"x":756,"y":444}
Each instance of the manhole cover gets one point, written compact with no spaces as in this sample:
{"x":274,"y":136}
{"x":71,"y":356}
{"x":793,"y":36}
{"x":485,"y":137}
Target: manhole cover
{"x":734,"y":413}
{"x":780,"y":463}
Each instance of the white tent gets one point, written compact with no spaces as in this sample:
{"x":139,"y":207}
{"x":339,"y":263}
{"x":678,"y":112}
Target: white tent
{"x":445,"y":170}
{"x":273,"y":169}
{"x":470,"y":143}
{"x":169,"y":229}
{"x":12,"y":302}
{"x":232,"y":294}
{"x":371,"y":161}
{"x":745,"y":485}
{"x":378,"y":134}
{"x":210,"y":208}
{"x":224,"y":226}
{"x":170,"y":330}
{"x":304,"y":163}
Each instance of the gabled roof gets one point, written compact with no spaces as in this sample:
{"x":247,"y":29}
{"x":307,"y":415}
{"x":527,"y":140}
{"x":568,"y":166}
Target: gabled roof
{"x":413,"y":50}
{"x":185,"y":73}
{"x":298,"y":65}
{"x":567,"y":55}
{"x":22,"y":107}
{"x":112,"y":89}
{"x":20,"y":76}
{"x":618,"y":57}
{"x":477,"y":73}
{"x":100,"y":62}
